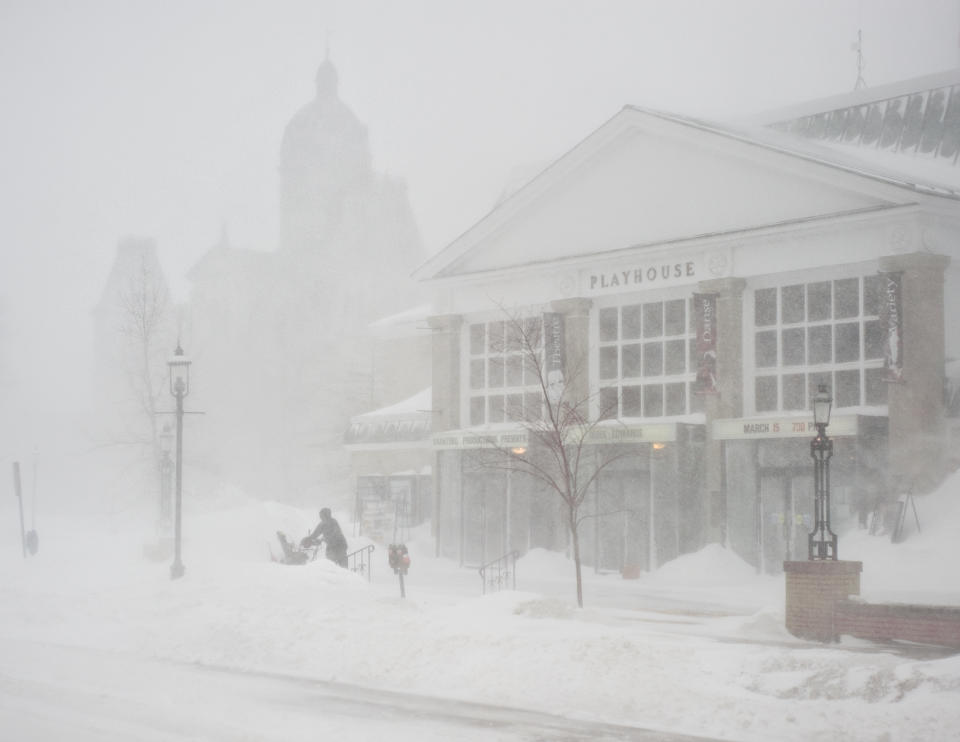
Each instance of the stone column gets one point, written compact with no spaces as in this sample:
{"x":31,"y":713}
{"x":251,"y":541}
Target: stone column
{"x":446,"y":371}
{"x":917,"y":434}
{"x":728,"y":400}
{"x":445,"y":415}
{"x":576,"y":313}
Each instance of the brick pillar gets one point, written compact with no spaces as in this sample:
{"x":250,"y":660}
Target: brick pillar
{"x":917,"y":434}
{"x":813,"y":590}
{"x":576,"y":336}
{"x":728,"y":401}
{"x":446,"y":371}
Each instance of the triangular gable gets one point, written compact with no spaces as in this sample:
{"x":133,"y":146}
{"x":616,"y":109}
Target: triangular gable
{"x":647,"y":178}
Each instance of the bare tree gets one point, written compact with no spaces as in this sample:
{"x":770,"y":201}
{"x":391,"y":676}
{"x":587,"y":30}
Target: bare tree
{"x":559,"y":428}
{"x":143,"y":314}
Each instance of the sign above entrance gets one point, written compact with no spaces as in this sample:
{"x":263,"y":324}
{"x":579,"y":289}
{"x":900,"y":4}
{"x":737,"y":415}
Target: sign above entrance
{"x":781,"y":427}
{"x":476,"y":439}
{"x":645,"y":275}
{"x":653,"y":433}
{"x":506,"y":439}
{"x":654,"y":274}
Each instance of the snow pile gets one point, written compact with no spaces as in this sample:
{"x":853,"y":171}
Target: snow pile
{"x":712,"y":565}
{"x":923,"y":567}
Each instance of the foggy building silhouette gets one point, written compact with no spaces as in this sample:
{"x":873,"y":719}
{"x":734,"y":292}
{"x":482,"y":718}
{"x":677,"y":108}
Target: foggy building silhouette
{"x":283,"y":332}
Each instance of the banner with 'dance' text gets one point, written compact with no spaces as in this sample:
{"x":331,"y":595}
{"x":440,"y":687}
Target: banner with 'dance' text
{"x":705,"y":361}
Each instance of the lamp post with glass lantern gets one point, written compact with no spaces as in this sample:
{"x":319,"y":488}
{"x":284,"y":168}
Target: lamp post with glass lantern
{"x":822,"y":542}
{"x":179,"y":388}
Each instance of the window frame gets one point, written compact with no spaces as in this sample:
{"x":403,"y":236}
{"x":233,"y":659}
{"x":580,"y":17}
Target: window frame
{"x":654,"y":380}
{"x":837,"y":373}
{"x":494,"y":351}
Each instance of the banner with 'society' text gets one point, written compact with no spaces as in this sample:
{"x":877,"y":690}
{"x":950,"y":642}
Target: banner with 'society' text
{"x":891,"y":317}
{"x":554,"y":361}
{"x":705,"y":314}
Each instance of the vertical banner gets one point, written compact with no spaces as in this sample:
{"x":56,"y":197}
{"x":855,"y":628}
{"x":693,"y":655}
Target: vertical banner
{"x":705,"y":314}
{"x":554,"y":350}
{"x":892,"y":319}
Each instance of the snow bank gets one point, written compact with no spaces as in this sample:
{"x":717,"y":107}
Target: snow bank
{"x":712,"y":565}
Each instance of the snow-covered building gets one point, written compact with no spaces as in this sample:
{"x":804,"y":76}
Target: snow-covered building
{"x":391,"y":460}
{"x":710,"y":277}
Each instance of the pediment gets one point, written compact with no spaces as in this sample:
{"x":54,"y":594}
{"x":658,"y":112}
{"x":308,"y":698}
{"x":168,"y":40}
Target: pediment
{"x":649,"y":179}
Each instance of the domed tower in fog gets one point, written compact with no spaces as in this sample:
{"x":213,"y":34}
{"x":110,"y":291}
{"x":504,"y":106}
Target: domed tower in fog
{"x":324,"y":160}
{"x":353,"y":224}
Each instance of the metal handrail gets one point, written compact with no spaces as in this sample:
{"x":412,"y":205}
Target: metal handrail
{"x":502,"y":570}
{"x":363,"y":557}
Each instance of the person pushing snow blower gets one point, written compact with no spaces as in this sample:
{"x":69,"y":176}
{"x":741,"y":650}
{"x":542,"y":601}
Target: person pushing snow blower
{"x":328,"y":532}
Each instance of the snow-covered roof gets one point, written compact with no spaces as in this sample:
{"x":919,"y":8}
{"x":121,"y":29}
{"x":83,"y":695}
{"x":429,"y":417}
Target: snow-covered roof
{"x":923,"y":176}
{"x":418,"y":405}
{"x":677,"y":160}
{"x":860,"y":97}
{"x":411,"y":321}
{"x":406,"y":421}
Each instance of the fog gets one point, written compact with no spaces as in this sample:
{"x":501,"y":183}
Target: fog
{"x":164,"y":121}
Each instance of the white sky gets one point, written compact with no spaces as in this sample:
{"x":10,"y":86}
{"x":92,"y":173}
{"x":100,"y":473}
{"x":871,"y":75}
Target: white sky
{"x":164,"y":119}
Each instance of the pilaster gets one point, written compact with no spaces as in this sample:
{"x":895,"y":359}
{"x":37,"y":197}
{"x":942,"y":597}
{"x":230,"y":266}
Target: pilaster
{"x":728,"y":399}
{"x":915,"y":405}
{"x":576,"y":313}
{"x":446,"y":371}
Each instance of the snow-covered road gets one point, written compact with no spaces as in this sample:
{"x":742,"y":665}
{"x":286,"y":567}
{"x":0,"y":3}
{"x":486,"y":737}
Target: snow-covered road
{"x":54,"y":692}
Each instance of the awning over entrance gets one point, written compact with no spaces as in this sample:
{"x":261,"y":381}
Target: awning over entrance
{"x":521,"y":437}
{"x":785,"y":427}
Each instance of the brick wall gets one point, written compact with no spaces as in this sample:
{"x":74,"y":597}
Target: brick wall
{"x":818,"y":606}
{"x":813,"y":590}
{"x":886,"y":621}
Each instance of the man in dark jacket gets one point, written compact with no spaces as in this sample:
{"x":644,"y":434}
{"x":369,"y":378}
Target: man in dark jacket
{"x":328,"y":531}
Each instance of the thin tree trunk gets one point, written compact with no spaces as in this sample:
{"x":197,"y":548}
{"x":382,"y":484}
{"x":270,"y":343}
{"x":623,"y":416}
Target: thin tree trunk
{"x":576,"y":556}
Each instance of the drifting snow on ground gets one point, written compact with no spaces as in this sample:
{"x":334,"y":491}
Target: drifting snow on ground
{"x":696,"y":647}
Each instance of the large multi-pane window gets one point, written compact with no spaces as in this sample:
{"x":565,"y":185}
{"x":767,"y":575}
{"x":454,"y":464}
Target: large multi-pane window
{"x":645,"y":360}
{"x":825,"y":332}
{"x":504,"y":382}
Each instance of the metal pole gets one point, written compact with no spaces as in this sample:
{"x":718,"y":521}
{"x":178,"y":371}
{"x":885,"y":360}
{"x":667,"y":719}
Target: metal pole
{"x":822,"y":542}
{"x":177,"y":569}
{"x":17,"y":492}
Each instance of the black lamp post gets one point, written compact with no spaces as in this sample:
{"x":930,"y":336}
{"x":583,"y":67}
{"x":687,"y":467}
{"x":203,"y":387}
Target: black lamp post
{"x":166,"y":478}
{"x":179,"y":388}
{"x":822,"y":542}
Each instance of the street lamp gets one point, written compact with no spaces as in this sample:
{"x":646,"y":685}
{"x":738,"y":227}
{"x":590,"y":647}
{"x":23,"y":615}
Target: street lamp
{"x":822,"y":542}
{"x":166,"y":475}
{"x":179,"y":388}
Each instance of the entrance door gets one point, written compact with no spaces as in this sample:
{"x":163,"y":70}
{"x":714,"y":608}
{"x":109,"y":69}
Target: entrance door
{"x":620,"y":528}
{"x":785,"y":497}
{"x":484,"y":518}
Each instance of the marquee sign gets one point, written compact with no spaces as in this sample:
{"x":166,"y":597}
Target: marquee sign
{"x":504,"y":439}
{"x":781,"y":427}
